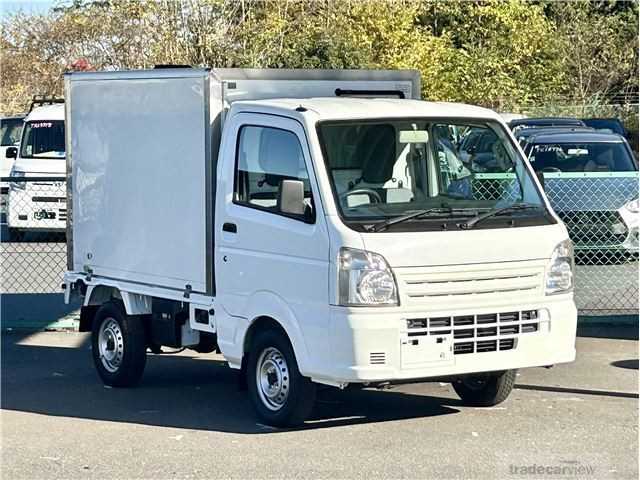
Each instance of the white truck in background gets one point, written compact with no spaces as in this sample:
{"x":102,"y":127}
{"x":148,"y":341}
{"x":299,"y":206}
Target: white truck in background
{"x":315,"y":227}
{"x":39,"y":204}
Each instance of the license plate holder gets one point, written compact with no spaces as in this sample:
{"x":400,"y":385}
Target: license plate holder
{"x":426,"y":350}
{"x":44,"y":215}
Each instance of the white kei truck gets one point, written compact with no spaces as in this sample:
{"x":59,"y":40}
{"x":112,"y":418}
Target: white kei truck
{"x":314,"y":227}
{"x":39,"y":204}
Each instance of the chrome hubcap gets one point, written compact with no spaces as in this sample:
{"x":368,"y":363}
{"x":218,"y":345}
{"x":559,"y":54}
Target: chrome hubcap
{"x":272,"y":378}
{"x":110,"y":345}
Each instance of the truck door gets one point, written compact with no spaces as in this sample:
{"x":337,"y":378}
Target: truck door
{"x":264,"y":257}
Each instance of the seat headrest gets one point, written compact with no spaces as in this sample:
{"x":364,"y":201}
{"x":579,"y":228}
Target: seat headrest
{"x":280,"y":155}
{"x":545,"y":159}
{"x":377,"y":149}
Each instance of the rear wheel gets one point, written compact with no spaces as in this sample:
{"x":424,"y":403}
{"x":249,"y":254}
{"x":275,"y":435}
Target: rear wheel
{"x":281,"y":396}
{"x":485,"y":390}
{"x":119,"y":346}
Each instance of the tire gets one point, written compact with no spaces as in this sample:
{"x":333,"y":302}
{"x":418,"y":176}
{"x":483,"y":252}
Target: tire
{"x":485,"y":390}
{"x":281,"y":396}
{"x":119,"y":346}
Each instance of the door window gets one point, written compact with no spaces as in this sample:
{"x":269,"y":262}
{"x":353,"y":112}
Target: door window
{"x":265,"y":157}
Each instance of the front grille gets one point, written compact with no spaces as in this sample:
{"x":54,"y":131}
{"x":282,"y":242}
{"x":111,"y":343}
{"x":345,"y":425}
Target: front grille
{"x":49,"y":199}
{"x":472,"y":284}
{"x":462,"y":348}
{"x":507,"y":343}
{"x":486,"y":346}
{"x":478,"y":333}
{"x":440,"y":322}
{"x":463,"y":320}
{"x":595,"y":228}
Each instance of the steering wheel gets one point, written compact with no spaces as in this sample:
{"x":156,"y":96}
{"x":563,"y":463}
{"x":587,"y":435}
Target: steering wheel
{"x":551,"y":170}
{"x":366,"y":191}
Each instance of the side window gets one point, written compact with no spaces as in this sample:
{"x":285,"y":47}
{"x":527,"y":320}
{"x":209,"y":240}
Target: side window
{"x":264,"y":158}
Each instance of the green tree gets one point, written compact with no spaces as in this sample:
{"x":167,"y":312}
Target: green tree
{"x":599,"y":48}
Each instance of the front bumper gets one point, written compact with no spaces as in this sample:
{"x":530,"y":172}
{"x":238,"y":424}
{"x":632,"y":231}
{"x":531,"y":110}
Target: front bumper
{"x":376,"y":345}
{"x":44,"y":209}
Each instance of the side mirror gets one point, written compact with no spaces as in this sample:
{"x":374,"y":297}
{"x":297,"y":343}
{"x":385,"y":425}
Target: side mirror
{"x":11,"y":152}
{"x":540,"y":176}
{"x":291,"y":197}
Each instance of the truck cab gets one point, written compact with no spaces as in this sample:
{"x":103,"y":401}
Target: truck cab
{"x":336,"y":239}
{"x":39,"y":204}
{"x":412,"y":274}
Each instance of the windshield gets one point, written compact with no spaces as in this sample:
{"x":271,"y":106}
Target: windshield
{"x":43,"y":139}
{"x":10,"y":129}
{"x":581,"y":157}
{"x":391,"y":168}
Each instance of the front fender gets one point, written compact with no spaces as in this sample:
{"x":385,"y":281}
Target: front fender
{"x":268,"y":304}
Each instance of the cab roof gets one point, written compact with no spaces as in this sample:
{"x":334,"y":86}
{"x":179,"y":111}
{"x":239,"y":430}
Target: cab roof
{"x":346,"y":108}
{"x":46,"y":112}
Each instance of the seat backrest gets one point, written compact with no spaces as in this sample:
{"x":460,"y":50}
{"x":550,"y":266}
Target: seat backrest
{"x":280,"y":155}
{"x":377,"y":150}
{"x":545,"y":159}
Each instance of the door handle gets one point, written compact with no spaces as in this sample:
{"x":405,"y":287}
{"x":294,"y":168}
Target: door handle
{"x":230,"y":227}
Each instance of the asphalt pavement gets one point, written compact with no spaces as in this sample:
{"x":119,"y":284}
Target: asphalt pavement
{"x":188,"y":419}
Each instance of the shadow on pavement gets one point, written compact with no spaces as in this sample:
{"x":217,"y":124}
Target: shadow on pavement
{"x":578,"y":391}
{"x":36,"y":310}
{"x":630,"y":364}
{"x":177,"y":391}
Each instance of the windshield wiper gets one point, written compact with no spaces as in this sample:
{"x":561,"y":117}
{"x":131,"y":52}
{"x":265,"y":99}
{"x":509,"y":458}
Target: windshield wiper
{"x":403,"y":218}
{"x":497,"y":211}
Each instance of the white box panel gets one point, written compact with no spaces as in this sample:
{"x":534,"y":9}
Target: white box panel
{"x":139,"y":152}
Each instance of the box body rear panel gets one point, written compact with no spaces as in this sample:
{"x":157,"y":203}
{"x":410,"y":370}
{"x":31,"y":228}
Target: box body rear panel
{"x":140,"y":166}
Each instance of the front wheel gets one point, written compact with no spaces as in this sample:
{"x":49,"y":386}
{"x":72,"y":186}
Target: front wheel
{"x":485,"y":390}
{"x":119,"y":346}
{"x":281,"y":396}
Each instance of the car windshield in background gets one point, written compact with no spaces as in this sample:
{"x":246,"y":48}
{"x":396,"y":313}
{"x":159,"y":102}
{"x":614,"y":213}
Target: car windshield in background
{"x":581,"y":157}
{"x":43,"y":139}
{"x":393,"y":168}
{"x":10,"y":129}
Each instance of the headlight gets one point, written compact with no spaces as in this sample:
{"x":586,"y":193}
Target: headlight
{"x":560,"y":270}
{"x":17,"y":185}
{"x":364,"y":278}
{"x":632,"y":206}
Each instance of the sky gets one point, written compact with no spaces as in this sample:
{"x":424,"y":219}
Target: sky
{"x":27,"y":6}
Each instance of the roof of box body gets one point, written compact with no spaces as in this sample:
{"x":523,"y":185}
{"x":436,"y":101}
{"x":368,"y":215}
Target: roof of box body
{"x":46,"y":112}
{"x":344,"y":108}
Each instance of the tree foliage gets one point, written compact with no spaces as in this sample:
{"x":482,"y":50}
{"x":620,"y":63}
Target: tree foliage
{"x":501,"y":54}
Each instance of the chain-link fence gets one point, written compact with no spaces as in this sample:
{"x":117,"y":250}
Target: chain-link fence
{"x":604,"y":231}
{"x":33,"y":252}
{"x":598,"y":211}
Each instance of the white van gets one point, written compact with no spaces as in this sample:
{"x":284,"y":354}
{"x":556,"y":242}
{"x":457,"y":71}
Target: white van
{"x":40,"y":203}
{"x":318,"y":239}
